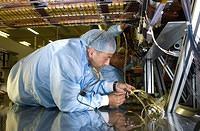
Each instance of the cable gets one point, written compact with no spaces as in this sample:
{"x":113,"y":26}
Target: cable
{"x":165,"y":51}
{"x":97,"y":111}
{"x":126,"y":55}
{"x":152,"y":109}
{"x":146,"y":18}
{"x":77,"y":97}
{"x":84,"y":90}
{"x":97,"y":74}
{"x":143,"y":121}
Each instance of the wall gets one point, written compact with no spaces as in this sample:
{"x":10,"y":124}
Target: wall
{"x":14,"y":52}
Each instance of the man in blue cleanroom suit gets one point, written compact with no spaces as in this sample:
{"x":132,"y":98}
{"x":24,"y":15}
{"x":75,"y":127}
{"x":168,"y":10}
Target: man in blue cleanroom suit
{"x":65,"y":73}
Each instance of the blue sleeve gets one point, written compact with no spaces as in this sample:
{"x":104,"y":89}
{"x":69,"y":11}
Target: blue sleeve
{"x":111,"y":73}
{"x":102,"y":87}
{"x":65,"y":77}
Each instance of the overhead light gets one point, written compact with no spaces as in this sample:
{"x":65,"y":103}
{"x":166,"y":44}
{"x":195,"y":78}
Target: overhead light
{"x":33,"y":31}
{"x":25,"y":43}
{"x":100,"y":27}
{"x":4,"y":34}
{"x":50,"y":41}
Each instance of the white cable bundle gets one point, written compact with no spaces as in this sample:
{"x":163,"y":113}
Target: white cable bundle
{"x":176,"y":54}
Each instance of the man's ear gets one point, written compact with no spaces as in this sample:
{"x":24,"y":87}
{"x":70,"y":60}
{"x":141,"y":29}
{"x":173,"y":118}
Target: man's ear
{"x":91,"y":52}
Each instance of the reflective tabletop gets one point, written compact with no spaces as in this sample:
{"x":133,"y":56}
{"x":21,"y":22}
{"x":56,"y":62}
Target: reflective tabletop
{"x":16,"y":118}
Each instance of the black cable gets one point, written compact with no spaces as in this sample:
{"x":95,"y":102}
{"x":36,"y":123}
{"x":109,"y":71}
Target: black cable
{"x":84,"y":90}
{"x":83,"y":102}
{"x":96,"y":110}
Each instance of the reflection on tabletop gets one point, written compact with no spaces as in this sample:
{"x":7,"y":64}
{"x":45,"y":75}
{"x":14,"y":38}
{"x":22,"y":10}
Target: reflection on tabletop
{"x":125,"y":118}
{"x":41,"y":119}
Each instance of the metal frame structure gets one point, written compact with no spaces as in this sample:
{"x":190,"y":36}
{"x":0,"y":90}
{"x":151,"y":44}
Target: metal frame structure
{"x":149,"y":76}
{"x":184,"y":62}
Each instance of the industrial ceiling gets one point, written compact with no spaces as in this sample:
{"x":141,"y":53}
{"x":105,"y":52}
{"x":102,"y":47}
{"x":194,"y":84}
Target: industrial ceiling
{"x":59,"y":19}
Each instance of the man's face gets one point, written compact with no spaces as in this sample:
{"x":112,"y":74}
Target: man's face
{"x":98,"y":59}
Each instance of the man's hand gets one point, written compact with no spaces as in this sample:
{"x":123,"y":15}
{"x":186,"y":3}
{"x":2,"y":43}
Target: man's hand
{"x":121,"y":122}
{"x":116,"y":99}
{"x":123,"y":88}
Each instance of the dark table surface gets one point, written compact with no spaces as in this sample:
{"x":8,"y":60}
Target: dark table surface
{"x":125,"y":118}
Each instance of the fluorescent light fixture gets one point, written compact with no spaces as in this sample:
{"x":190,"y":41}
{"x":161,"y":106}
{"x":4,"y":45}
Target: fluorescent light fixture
{"x":33,"y":31}
{"x":25,"y":43}
{"x":4,"y":34}
{"x":50,"y":41}
{"x":100,"y":27}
